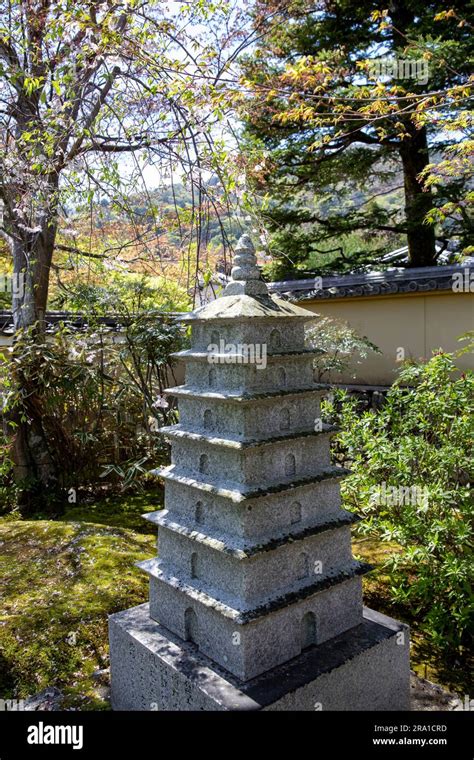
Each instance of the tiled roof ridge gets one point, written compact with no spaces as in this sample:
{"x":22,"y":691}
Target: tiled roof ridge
{"x":384,"y":282}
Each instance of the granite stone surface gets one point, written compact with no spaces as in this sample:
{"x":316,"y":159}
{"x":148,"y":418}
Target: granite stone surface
{"x":365,"y":668}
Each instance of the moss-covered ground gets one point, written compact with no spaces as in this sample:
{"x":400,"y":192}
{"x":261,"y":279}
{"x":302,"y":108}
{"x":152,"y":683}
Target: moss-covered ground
{"x":60,"y":579}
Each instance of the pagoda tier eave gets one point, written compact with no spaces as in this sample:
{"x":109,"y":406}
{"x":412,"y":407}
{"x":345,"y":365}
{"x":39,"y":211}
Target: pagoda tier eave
{"x":245,"y":549}
{"x":185,"y":392}
{"x":250,"y":614}
{"x":244,"y":307}
{"x":189,"y":354}
{"x":175,"y":431}
{"x":240,"y":494}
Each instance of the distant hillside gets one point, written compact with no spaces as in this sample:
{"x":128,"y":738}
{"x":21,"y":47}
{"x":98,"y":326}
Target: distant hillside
{"x":174,"y":210}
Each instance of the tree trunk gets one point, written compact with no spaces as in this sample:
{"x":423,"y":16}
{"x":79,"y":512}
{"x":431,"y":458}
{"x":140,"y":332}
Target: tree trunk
{"x":36,"y":468}
{"x":420,"y":236}
{"x":415,"y":156}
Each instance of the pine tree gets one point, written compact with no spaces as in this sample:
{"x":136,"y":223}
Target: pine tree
{"x":349,"y":104}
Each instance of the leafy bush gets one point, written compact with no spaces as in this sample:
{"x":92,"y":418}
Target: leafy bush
{"x":7,"y":483}
{"x":412,"y":464}
{"x":340,"y":346}
{"x":99,"y":396}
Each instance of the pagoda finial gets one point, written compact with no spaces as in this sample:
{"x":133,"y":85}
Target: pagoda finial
{"x":245,"y":260}
{"x":245,"y":274}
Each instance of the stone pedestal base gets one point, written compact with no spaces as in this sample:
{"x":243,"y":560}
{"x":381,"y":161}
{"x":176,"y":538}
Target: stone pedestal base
{"x":365,"y":668}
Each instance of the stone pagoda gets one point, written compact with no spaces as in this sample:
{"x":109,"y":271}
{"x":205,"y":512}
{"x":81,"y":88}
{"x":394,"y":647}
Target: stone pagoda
{"x":255,"y":596}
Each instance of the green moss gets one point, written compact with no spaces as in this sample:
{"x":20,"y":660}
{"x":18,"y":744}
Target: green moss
{"x":60,"y":581}
{"x":376,"y":583}
{"x":123,"y":511}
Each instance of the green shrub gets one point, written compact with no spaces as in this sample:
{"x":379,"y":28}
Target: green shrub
{"x":99,"y":396}
{"x":340,"y":345}
{"x":412,"y":466}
